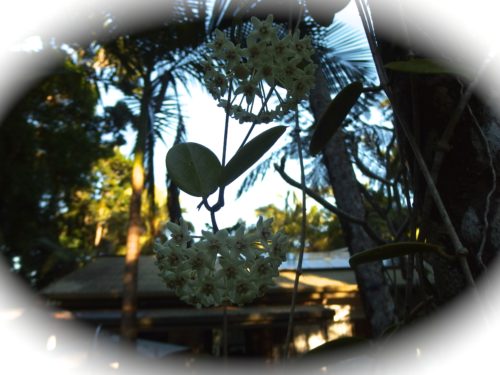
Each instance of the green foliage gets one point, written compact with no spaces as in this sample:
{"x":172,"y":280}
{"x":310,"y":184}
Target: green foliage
{"x":103,"y":204}
{"x":334,"y":116}
{"x":418,"y":66}
{"x":323,"y":228}
{"x":194,"y":168}
{"x":48,"y":143}
{"x":384,"y":212}
{"x":249,"y":154}
{"x":97,"y":221}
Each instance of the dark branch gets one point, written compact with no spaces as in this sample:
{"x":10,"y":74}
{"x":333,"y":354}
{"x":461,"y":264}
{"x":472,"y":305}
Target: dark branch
{"x":330,"y":207}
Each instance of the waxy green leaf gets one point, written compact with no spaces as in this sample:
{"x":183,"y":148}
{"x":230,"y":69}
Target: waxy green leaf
{"x":194,"y":168}
{"x":246,"y":156}
{"x":334,"y":116}
{"x":394,"y":250}
{"x":418,"y":66}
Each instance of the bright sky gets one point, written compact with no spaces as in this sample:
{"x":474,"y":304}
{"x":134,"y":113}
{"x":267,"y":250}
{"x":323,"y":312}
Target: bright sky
{"x":205,"y":125}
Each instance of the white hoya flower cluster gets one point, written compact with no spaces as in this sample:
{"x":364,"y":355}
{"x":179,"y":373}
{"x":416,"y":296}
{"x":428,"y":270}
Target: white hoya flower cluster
{"x":279,"y":63}
{"x":221,"y":269}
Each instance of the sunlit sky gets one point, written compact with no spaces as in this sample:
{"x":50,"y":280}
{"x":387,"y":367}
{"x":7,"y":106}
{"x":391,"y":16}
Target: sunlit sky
{"x":205,"y":125}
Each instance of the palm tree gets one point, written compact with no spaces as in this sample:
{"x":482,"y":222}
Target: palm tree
{"x":143,"y":65}
{"x":337,"y":72}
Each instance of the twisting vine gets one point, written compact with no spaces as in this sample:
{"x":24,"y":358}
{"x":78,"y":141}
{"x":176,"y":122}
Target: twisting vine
{"x":460,"y":250}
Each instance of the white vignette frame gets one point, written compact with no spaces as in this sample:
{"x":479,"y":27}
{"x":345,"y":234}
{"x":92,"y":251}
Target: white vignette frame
{"x":461,"y":339}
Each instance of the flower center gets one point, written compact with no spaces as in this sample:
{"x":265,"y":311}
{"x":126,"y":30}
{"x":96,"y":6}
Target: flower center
{"x":197,"y":262}
{"x":241,"y":288}
{"x":230,"y":272}
{"x":173,"y":259}
{"x":208,"y":289}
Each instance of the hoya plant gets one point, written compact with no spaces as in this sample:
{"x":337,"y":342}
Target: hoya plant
{"x":221,"y":269}
{"x":256,"y":81}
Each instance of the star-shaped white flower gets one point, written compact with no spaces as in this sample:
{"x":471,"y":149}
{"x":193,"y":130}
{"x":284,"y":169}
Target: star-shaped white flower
{"x":263,"y":30}
{"x":249,"y":89}
{"x":242,"y":243}
{"x":218,"y":44}
{"x":215,"y":242}
{"x":179,"y":232}
{"x":264,"y":228}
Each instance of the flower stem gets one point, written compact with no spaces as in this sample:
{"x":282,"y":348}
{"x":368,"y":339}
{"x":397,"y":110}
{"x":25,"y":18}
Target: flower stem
{"x":212,"y":211}
{"x":220,"y":200}
{"x":255,"y":122}
{"x":302,"y":238}
{"x":225,"y":333}
{"x":226,"y":126}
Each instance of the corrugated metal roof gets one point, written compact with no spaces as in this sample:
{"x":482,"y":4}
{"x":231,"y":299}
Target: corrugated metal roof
{"x":338,"y":258}
{"x":103,"y":277}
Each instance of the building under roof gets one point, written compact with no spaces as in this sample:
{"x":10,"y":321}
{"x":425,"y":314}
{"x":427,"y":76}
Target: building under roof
{"x":328,"y":306}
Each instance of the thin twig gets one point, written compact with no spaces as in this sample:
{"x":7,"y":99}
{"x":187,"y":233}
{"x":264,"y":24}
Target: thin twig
{"x":330,"y":207}
{"x":255,"y":123}
{"x":402,"y":229}
{"x":365,"y":170}
{"x":455,"y":117}
{"x":302,"y":238}
{"x":444,"y":143}
{"x":210,"y":209}
{"x":409,"y":282}
{"x":226,"y":125}
{"x":225,"y":322}
{"x":490,"y":193}
{"x":372,"y":89}
{"x":220,"y":200}
{"x":378,"y":210}
{"x":457,"y":244}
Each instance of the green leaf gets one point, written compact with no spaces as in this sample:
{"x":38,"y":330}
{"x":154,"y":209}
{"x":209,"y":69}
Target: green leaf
{"x":334,"y":116}
{"x":394,"y":250}
{"x":418,"y":66}
{"x":246,"y":156}
{"x":194,"y":168}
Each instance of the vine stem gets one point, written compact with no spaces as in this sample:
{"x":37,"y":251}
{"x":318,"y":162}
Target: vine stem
{"x":226,"y":125}
{"x":220,"y":199}
{"x":490,"y":193}
{"x":302,"y":238}
{"x":330,"y":207}
{"x":460,"y":250}
{"x":260,"y":111}
{"x":225,"y":322}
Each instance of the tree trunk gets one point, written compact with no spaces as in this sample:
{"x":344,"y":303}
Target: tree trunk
{"x":377,"y":300}
{"x":151,"y":175}
{"x":129,"y":302}
{"x":466,"y":178}
{"x":173,"y":203}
